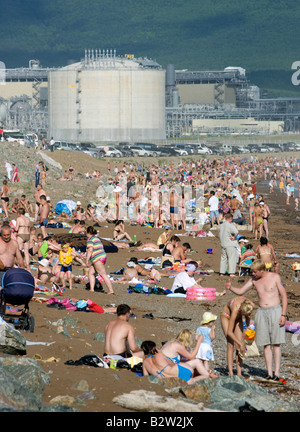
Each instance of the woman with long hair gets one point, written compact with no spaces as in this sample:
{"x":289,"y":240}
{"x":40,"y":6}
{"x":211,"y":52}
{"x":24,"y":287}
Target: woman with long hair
{"x":232,"y":324}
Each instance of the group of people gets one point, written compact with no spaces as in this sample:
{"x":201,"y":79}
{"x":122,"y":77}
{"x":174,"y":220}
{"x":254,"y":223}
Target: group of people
{"x":224,"y":196}
{"x":188,"y":357}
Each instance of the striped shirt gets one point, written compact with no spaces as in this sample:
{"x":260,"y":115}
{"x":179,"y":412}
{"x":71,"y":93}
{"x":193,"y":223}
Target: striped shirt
{"x":98,"y":250}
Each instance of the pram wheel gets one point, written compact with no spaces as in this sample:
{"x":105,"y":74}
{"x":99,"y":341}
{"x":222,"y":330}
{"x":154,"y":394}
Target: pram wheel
{"x":29,"y":324}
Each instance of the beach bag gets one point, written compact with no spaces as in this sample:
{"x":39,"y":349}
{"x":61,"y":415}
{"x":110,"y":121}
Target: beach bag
{"x":251,"y":347}
{"x":251,"y":351}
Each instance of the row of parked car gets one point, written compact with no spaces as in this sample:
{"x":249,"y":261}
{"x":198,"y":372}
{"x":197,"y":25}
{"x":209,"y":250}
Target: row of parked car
{"x":125,"y":149}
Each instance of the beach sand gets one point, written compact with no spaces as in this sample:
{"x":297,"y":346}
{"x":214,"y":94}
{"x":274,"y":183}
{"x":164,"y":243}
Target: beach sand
{"x":170,"y":314}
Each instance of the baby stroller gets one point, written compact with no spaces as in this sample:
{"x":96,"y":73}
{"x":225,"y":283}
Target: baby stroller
{"x":17,"y":290}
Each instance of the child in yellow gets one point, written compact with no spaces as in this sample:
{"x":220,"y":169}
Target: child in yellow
{"x":66,"y":259}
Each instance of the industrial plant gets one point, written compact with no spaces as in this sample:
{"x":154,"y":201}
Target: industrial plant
{"x":110,"y":98}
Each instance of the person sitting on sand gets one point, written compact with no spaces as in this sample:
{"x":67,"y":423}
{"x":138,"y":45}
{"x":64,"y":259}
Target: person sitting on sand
{"x":157,"y":364}
{"x":120,"y":233}
{"x":180,"y":349}
{"x":120,"y":336}
{"x":180,"y":252}
{"x":90,"y":215}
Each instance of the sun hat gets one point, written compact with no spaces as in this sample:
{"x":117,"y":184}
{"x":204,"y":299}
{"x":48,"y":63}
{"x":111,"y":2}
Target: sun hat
{"x":190,"y":267}
{"x":44,"y":262}
{"x":208,"y":317}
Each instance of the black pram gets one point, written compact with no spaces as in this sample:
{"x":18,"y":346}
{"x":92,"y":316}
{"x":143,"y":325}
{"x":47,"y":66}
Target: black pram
{"x":17,"y":290}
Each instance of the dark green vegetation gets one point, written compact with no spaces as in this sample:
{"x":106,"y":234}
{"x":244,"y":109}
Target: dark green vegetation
{"x":260,"y":36}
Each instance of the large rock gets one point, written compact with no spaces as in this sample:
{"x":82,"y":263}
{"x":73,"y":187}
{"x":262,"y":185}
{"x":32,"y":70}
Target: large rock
{"x":11,"y":340}
{"x":22,"y":384}
{"x":227,"y":393}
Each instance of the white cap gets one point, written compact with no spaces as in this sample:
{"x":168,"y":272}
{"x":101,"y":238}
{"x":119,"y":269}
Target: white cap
{"x":243,"y":240}
{"x":48,"y":198}
{"x":44,"y":262}
{"x":78,"y":203}
{"x":251,"y":196}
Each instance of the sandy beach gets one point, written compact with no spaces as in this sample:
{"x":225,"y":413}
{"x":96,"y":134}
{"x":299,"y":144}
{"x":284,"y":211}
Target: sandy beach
{"x":100,"y":385}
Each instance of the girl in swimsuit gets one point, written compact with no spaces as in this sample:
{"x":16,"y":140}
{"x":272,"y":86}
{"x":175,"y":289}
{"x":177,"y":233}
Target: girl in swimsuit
{"x":232,"y":325}
{"x":157,"y":364}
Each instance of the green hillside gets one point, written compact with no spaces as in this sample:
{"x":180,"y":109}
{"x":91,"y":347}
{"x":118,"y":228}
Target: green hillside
{"x":260,"y":36}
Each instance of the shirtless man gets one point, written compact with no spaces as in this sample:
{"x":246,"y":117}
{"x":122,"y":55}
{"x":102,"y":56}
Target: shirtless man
{"x":119,"y":335}
{"x":44,"y":212}
{"x":180,"y":252}
{"x":9,"y":251}
{"x":271,"y":316}
{"x":37,"y":196}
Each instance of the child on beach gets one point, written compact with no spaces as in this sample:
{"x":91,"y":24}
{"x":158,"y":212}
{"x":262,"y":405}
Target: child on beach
{"x":66,"y":259}
{"x":207,"y":330}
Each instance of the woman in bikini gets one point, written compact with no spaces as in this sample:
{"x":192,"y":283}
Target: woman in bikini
{"x":179,"y":350}
{"x":119,"y":232}
{"x":258,"y":220}
{"x":5,"y":191}
{"x":23,"y":234}
{"x":157,"y":364}
{"x":97,"y":256}
{"x":251,"y":212}
{"x":232,"y":325}
{"x":266,"y":253}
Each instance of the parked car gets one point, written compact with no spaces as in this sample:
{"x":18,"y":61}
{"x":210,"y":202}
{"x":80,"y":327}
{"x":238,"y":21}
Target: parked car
{"x":240,"y":150}
{"x":289,"y":146}
{"x":264,"y":149}
{"x":85,"y":146}
{"x":112,"y":152}
{"x":217,"y":150}
{"x":170,"y":151}
{"x":126,"y":151}
{"x":152,"y":149}
{"x":138,"y":151}
{"x":185,"y":147}
{"x":62,"y":145}
{"x":254,"y":148}
{"x":276,"y":147}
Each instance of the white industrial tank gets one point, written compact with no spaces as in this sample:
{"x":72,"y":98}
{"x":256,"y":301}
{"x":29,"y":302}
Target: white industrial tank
{"x":107,"y":101}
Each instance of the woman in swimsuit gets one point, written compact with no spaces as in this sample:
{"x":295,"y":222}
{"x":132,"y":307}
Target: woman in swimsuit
{"x":232,"y":325}
{"x":266,"y":253}
{"x":97,"y":255}
{"x":157,"y":364}
{"x":258,"y":219}
{"x":5,"y":197}
{"x":251,"y":213}
{"x":179,"y":350}
{"x":23,"y":234}
{"x":119,"y":232}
